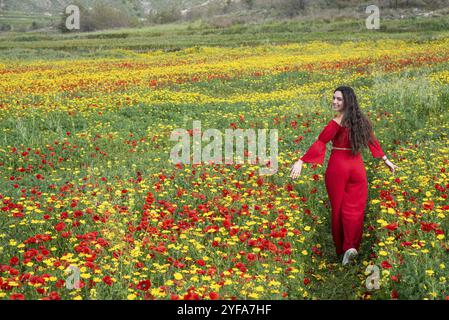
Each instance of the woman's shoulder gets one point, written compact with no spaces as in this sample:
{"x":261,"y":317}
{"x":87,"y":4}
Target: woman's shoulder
{"x":337,"y":121}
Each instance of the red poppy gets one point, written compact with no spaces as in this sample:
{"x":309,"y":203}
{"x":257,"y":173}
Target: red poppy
{"x":241,"y":266}
{"x":251,"y":257}
{"x":60,"y":226}
{"x":394,"y":294}
{"x":316,"y":251}
{"x":191,"y":296}
{"x":54,"y":296}
{"x":107,"y":280}
{"x":201,"y":262}
{"x":428,"y":205}
{"x":214,"y":296}
{"x":40,"y":290}
{"x":17,"y":296}
{"x":60,"y":283}
{"x":428,"y":226}
{"x":65,"y":234}
{"x":391,"y":226}
{"x":144,"y":285}
{"x":77,"y":214}
{"x":14,"y":261}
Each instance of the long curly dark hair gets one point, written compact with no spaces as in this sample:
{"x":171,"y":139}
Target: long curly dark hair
{"x":360,"y":127}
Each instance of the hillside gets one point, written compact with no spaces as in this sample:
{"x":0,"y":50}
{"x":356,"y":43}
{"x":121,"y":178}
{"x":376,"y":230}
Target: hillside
{"x":29,"y":15}
{"x":57,"y":6}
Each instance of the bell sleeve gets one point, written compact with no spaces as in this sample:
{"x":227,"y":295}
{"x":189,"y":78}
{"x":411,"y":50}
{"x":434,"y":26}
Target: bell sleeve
{"x":374,"y":146}
{"x":317,"y":150}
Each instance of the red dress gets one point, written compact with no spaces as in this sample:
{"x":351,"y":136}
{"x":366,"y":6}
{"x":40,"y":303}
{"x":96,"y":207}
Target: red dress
{"x":346,"y":183}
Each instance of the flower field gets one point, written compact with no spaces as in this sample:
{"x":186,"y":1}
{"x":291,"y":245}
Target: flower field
{"x":87,"y":181}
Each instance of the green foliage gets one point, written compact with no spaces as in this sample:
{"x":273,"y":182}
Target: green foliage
{"x":176,"y":36}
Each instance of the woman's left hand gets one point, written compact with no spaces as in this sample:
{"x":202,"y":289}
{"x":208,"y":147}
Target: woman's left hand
{"x":391,"y":165}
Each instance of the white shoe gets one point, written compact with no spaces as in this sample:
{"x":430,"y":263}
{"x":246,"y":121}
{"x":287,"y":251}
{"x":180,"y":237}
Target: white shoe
{"x":350,"y":254}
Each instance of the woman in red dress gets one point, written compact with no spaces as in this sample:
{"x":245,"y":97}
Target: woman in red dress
{"x":345,"y":177}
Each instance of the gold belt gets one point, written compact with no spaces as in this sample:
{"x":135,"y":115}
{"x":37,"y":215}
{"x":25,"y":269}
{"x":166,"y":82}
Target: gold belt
{"x":341,"y":148}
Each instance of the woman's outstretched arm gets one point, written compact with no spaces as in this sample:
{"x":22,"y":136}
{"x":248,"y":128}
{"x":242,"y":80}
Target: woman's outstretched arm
{"x":317,"y":151}
{"x":377,"y":152}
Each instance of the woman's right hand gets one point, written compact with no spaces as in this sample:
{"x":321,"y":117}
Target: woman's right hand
{"x":391,"y":165}
{"x":296,"y":169}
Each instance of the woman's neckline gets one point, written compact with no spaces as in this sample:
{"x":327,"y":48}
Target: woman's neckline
{"x":337,"y":123}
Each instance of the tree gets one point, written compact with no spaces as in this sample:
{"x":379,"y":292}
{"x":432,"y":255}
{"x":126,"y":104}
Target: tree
{"x":34,"y":25}
{"x":294,"y":7}
{"x":249,"y":3}
{"x":227,"y":7}
{"x":167,"y":15}
{"x":102,"y":16}
{"x":5,"y":27}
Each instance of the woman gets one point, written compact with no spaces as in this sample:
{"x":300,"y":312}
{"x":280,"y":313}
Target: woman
{"x":345,"y":176}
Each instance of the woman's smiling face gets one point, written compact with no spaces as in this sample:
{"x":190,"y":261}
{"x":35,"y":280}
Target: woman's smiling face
{"x":337,"y":101}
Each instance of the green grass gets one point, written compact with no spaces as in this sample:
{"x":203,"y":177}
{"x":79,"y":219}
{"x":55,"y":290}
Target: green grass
{"x":177,"y":36}
{"x":22,"y":21}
